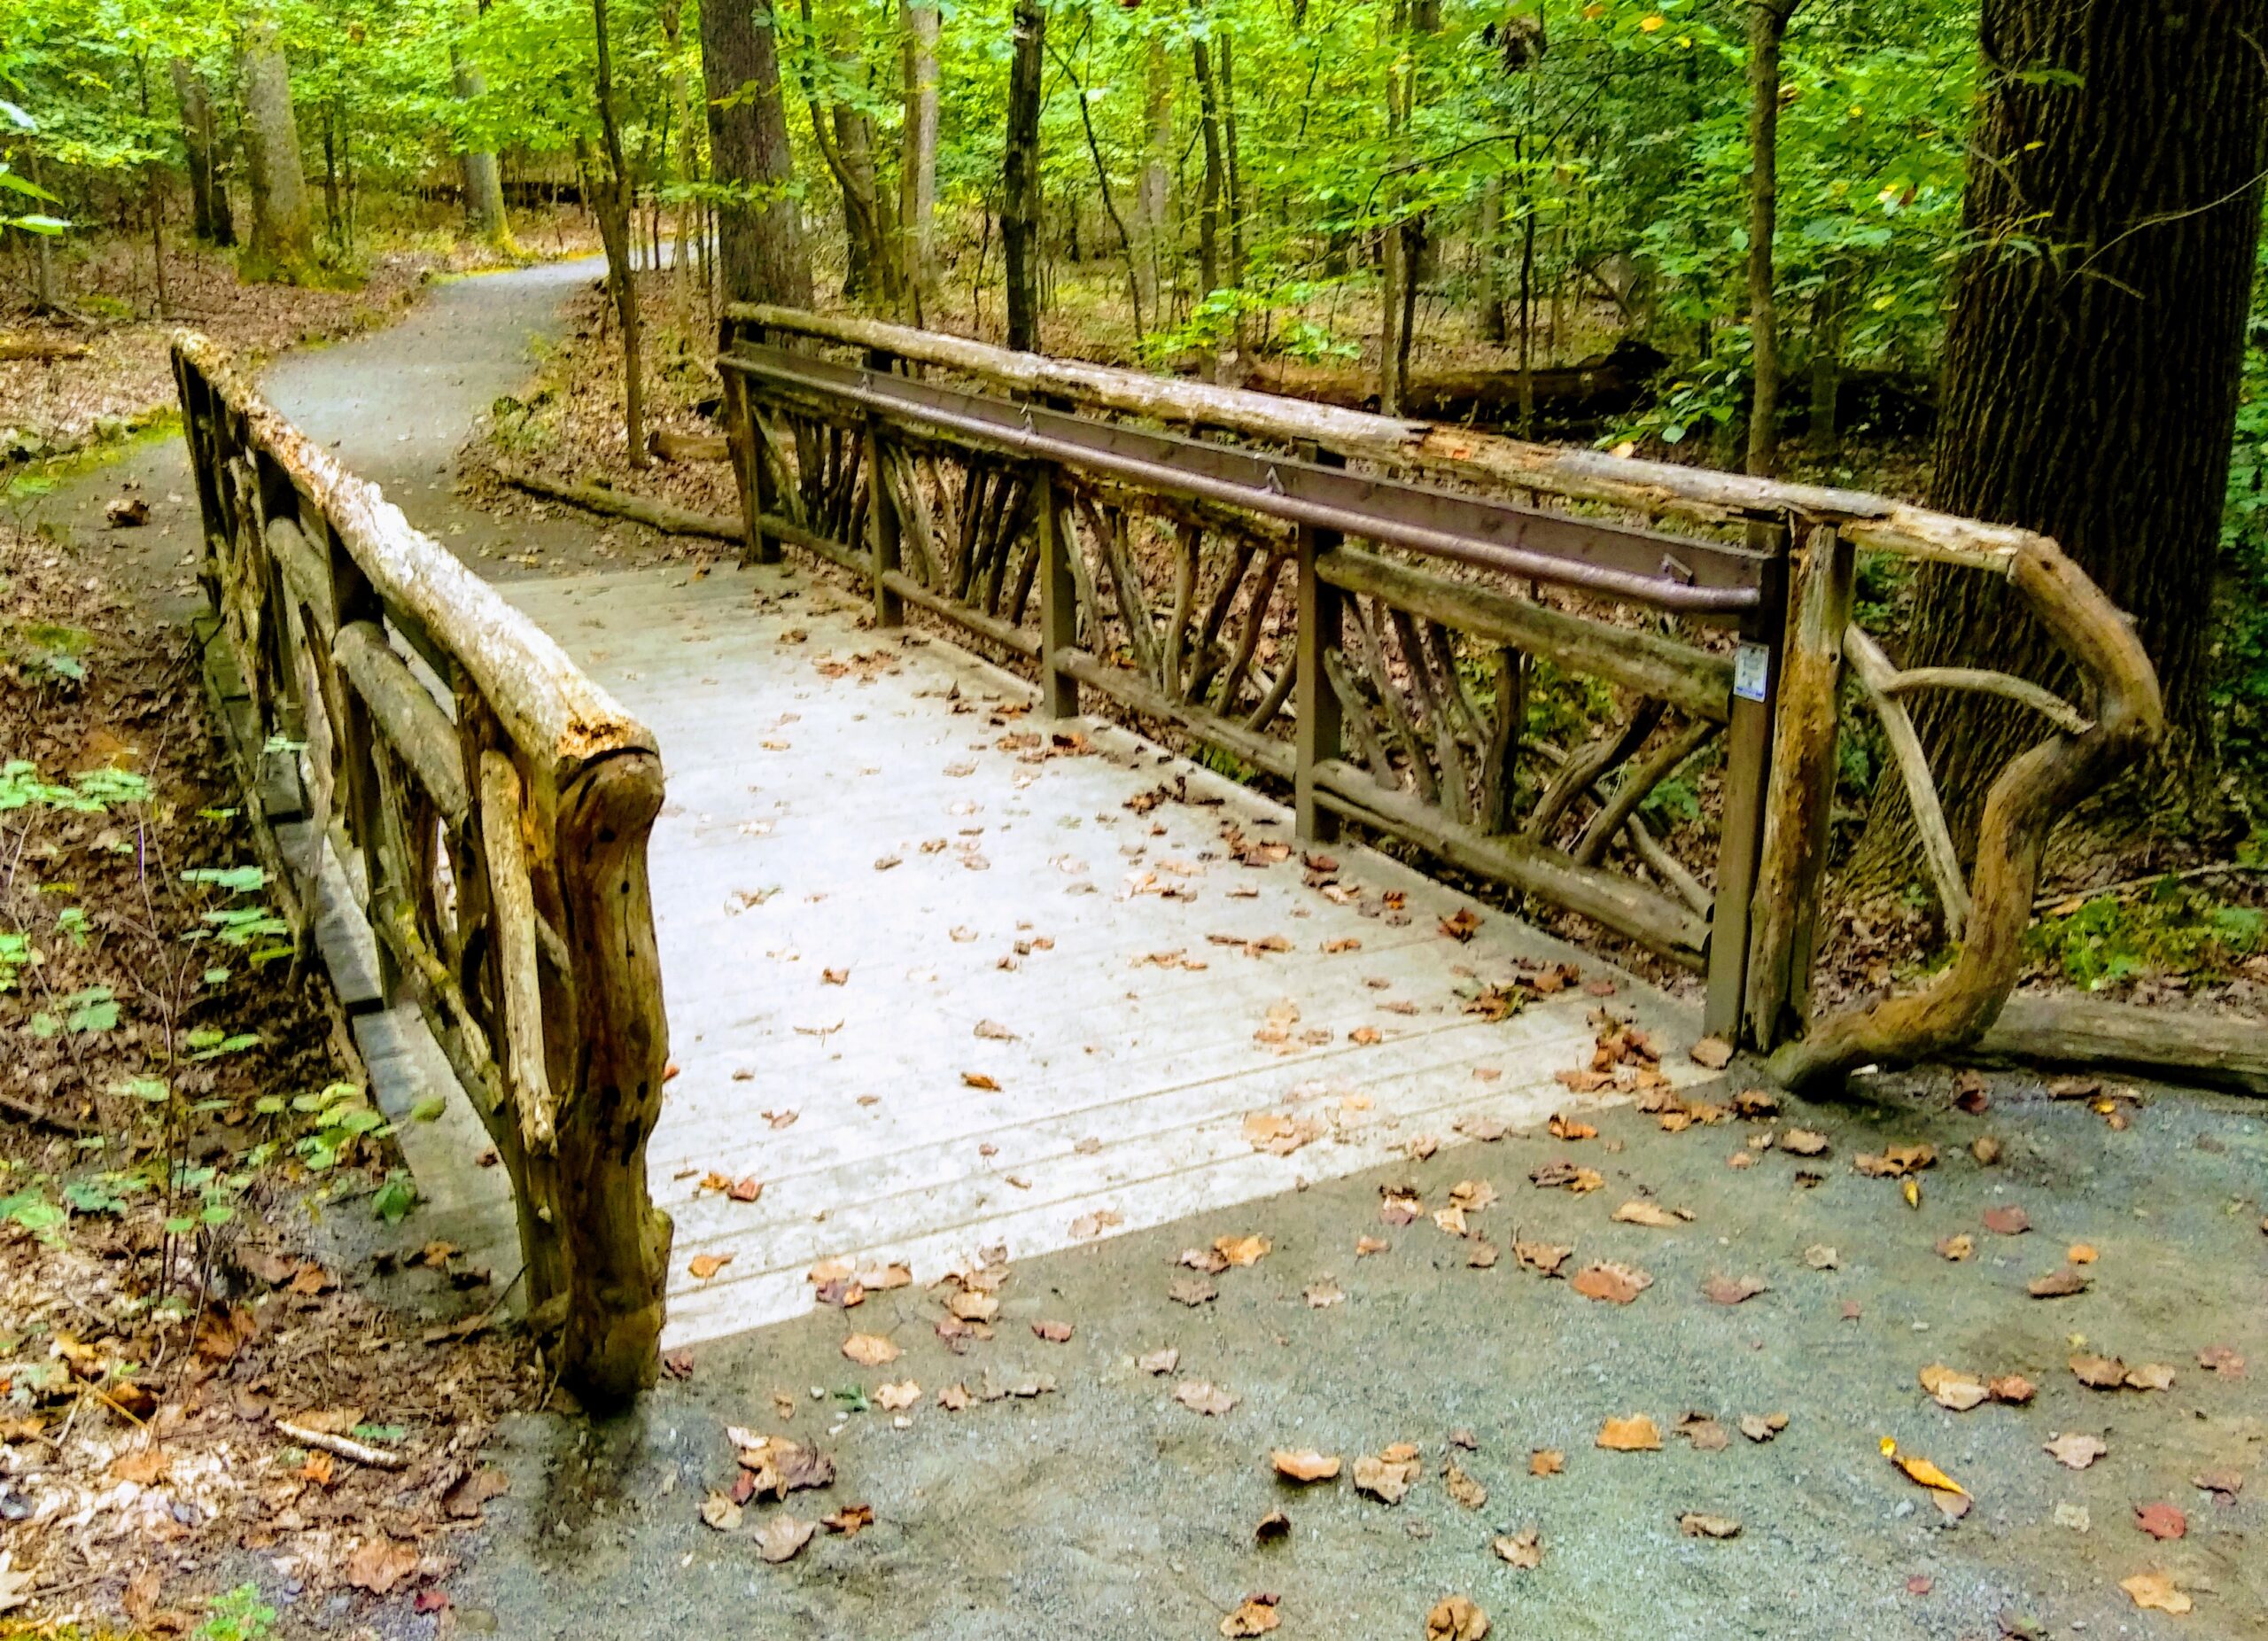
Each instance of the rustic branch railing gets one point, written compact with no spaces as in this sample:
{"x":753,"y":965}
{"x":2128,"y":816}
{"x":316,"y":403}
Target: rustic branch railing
{"x":491,"y":806}
{"x":1190,"y":553}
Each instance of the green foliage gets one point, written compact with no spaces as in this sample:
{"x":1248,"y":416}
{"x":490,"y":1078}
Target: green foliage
{"x":238,"y":1616}
{"x":2172,"y":927}
{"x":342,"y":1116}
{"x":2241,"y":671}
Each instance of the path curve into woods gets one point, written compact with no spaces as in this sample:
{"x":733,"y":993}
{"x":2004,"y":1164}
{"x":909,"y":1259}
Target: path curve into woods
{"x":395,"y":404}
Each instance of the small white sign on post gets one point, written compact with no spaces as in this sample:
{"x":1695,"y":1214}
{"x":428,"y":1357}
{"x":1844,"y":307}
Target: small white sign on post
{"x":1751,"y":671}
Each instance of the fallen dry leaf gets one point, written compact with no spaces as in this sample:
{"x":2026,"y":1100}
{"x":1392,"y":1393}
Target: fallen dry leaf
{"x":1455,"y":1617}
{"x":1523,"y":1550}
{"x":1321,"y":1295}
{"x":2222,"y":1359}
{"x":2007,"y":1221}
{"x":897,"y":1397}
{"x":2075,"y":1451}
{"x":1546,"y":1461}
{"x":1693,"y":1524}
{"x":1193,"y":1290}
{"x":1481,"y":1255}
{"x":1727,"y":1290}
{"x":1272,"y":1527}
{"x":2058,"y":1284}
{"x":719,"y":1511}
{"x":2150,"y":1376}
{"x":1462,"y":1486}
{"x":1054,"y":1333}
{"x":978,"y":1080}
{"x":1563,"y":1126}
{"x":705,"y":1265}
{"x":1304,"y":1466}
{"x":1957,"y":1248}
{"x":1711,"y":1053}
{"x":850,"y":1520}
{"x":1389,"y":1475}
{"x":1199,"y":1397}
{"x":1545,"y":1258}
{"x":1365,"y":1246}
{"x":2161,"y":1520}
{"x":870,"y":1349}
{"x":380,"y":1563}
{"x":1637,"y":1433}
{"x":1956,"y":1390}
{"x":2012,"y":1388}
{"x":1612,"y":1282}
{"x":1256,"y":1617}
{"x":1638,"y":1211}
{"x":1162,"y":1361}
{"x":2155,"y":1591}
{"x":1763,"y":1426}
{"x":1568,"y":1176}
{"x":1241,"y":1250}
{"x":1804,"y":1142}
{"x":782,"y":1536}
{"x":2098,"y":1373}
{"x":1921,"y":1470}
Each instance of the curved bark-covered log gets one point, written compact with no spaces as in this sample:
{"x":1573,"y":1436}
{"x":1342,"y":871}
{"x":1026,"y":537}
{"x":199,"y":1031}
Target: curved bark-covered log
{"x":2030,"y":795}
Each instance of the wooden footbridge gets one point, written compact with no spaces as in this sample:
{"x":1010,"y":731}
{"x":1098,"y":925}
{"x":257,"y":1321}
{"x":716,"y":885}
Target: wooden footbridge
{"x":839,"y":908}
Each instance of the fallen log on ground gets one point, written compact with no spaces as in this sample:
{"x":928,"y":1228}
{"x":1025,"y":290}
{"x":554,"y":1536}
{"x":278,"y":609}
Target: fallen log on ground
{"x":2218,"y":1050}
{"x":42,"y":347}
{"x":597,"y":498}
{"x":687,"y":446}
{"x":1602,"y":384}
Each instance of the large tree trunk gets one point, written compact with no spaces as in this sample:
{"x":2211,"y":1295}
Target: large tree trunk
{"x":917,"y":172}
{"x":1157,"y":160}
{"x":282,"y":248}
{"x":208,"y":191}
{"x":609,"y":188}
{"x":1020,"y":208}
{"x":760,"y":246}
{"x":867,"y":275}
{"x":2093,"y":361}
{"x":484,"y":180}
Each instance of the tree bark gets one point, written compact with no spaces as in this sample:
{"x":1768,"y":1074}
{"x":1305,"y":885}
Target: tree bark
{"x":610,"y":199}
{"x":282,"y":248}
{"x":1767,"y":23}
{"x":1020,"y":208}
{"x":760,"y":244}
{"x":1209,"y":210}
{"x":155,"y":193}
{"x":208,"y":191}
{"x":2097,"y":337}
{"x":1157,"y":109}
{"x":917,"y":171}
{"x":868,"y":273}
{"x":484,"y":180}
{"x":1488,"y":237}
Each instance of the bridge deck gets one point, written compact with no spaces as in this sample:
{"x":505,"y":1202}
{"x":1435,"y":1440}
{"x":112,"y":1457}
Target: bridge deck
{"x":1019,"y":939}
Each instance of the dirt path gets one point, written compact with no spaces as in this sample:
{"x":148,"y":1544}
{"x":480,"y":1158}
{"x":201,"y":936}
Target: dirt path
{"x":395,"y":405}
{"x":1100,"y":1506}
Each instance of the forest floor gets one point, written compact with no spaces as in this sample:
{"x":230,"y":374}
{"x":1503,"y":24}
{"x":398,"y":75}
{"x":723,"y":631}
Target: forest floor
{"x":1102,"y":1465}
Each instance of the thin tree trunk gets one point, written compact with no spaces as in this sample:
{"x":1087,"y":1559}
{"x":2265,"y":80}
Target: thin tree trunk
{"x":1208,"y":207}
{"x":2109,"y":345}
{"x":869,"y":268}
{"x":282,"y":248}
{"x":330,"y":176}
{"x":1233,"y":194}
{"x":208,"y":191}
{"x":1487,"y":237}
{"x":612,"y":189}
{"x":1020,"y":204}
{"x":760,"y":246}
{"x":688,"y":168}
{"x":154,"y":186}
{"x":1767,"y":23}
{"x":1157,"y":109}
{"x":1528,"y":317}
{"x":917,"y":172}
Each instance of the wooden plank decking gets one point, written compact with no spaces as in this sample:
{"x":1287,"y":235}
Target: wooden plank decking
{"x":803,"y":750}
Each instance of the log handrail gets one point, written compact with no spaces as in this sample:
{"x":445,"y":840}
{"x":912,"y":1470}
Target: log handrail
{"x":1782,"y":714}
{"x":499,"y":802}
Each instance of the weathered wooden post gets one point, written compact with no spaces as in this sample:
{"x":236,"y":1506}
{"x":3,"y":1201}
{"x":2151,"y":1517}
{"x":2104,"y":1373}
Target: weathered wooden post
{"x":1059,"y":599}
{"x":1748,"y":766}
{"x":1319,"y":740}
{"x":882,"y":531}
{"x":1800,"y":794}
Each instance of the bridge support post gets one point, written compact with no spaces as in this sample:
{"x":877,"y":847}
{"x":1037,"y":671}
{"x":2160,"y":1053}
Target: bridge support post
{"x":1059,"y":601}
{"x":1318,"y":736}
{"x":1748,"y":765}
{"x":882,"y":526}
{"x":1800,"y":794}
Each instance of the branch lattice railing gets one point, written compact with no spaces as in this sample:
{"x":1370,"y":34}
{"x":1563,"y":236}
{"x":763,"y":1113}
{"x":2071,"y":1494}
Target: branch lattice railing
{"x":1615,"y":685}
{"x":491,"y":806}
